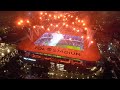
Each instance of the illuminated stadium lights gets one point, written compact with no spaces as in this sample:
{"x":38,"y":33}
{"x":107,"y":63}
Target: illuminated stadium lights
{"x":54,"y":23}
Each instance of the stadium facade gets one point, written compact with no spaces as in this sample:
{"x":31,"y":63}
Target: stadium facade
{"x":57,"y":39}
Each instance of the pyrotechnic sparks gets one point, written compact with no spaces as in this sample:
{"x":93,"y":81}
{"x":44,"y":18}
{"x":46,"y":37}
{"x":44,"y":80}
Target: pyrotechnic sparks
{"x":67,"y":22}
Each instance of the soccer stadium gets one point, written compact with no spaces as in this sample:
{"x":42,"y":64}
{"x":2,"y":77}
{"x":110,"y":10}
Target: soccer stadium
{"x":62,"y":38}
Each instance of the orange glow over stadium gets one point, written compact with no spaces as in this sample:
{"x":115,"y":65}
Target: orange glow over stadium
{"x":65,"y":24}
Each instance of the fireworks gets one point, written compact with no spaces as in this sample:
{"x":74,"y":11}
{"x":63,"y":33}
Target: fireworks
{"x":52,"y":21}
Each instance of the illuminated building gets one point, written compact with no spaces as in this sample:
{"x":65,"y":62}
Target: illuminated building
{"x":6,"y":53}
{"x":66,"y":39}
